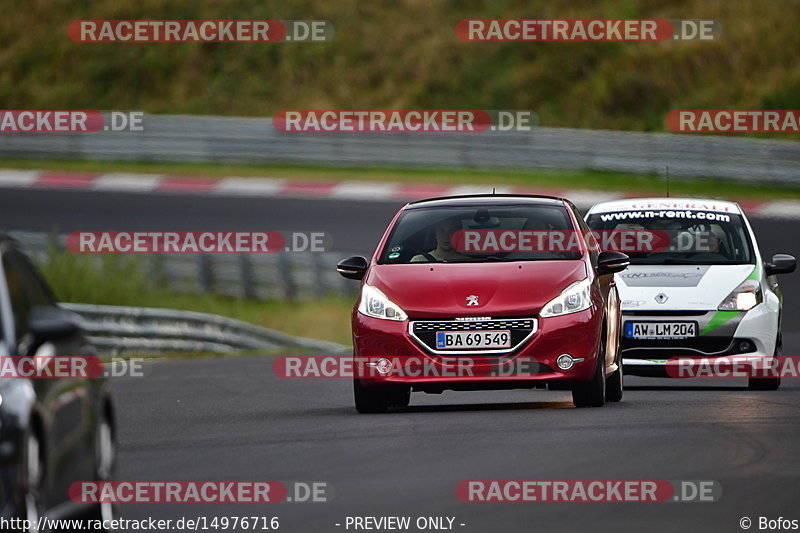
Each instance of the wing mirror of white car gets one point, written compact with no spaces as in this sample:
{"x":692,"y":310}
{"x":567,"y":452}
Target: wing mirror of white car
{"x":780,"y":264}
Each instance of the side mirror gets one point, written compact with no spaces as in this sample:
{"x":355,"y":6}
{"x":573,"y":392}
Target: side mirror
{"x":51,"y":324}
{"x":612,"y":262}
{"x":353,"y":267}
{"x":780,"y":264}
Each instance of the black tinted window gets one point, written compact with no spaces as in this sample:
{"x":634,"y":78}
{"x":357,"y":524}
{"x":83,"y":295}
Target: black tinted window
{"x":685,"y":236}
{"x":25,"y":288}
{"x":474,"y":234}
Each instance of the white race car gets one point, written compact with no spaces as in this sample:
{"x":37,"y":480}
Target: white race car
{"x":696,"y":286}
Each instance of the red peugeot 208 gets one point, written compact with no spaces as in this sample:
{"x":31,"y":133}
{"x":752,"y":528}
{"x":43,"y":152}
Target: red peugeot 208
{"x":483,"y":293}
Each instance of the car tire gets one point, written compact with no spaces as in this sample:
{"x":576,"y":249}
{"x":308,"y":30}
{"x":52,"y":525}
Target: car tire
{"x":593,"y":393}
{"x":105,"y":465}
{"x":767,"y":383}
{"x":32,"y":505}
{"x":379,"y":399}
{"x":614,"y":388}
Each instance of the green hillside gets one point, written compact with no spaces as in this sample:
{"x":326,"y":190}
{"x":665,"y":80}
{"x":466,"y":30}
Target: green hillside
{"x":405,"y":54}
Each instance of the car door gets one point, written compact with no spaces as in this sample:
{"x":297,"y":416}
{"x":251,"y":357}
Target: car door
{"x":64,"y":403}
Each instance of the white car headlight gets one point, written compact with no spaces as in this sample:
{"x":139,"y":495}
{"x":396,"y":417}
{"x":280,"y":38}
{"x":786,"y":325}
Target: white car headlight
{"x":375,"y":304}
{"x":576,"y":297}
{"x":744,"y":297}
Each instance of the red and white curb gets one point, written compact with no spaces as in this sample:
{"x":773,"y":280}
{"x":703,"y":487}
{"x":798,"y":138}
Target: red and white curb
{"x":338,"y":190}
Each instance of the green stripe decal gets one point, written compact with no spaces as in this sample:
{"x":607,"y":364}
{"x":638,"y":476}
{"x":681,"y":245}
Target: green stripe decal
{"x":722,"y":317}
{"x":719,"y":319}
{"x":756,"y":273}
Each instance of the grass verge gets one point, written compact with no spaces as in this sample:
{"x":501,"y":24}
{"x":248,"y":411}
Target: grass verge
{"x":118,"y":280}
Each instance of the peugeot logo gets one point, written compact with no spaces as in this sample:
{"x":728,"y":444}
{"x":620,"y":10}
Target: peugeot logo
{"x":661,"y":298}
{"x":472,"y":299}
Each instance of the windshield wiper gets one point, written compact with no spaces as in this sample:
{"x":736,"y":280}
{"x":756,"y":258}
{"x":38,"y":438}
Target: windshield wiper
{"x":675,"y":261}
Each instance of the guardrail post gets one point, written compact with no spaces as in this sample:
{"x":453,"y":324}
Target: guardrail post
{"x":157,"y":272}
{"x":51,"y":246}
{"x":246,"y":281}
{"x":289,"y":289}
{"x":318,"y":274}
{"x":205,"y":277}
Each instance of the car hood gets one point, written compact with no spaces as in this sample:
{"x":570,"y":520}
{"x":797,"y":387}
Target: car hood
{"x":678,"y":287}
{"x":503,"y":289}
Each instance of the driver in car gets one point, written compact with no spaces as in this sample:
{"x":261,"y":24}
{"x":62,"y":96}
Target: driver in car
{"x":444,"y":250}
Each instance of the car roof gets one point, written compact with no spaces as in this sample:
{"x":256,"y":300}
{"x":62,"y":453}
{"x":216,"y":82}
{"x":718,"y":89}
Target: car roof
{"x":484,"y":199}
{"x":668,"y":204}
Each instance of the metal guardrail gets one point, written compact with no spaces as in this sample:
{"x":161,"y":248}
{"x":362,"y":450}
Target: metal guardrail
{"x":141,"y":330}
{"x":122,"y":330}
{"x":254,"y":140}
{"x":278,"y":276}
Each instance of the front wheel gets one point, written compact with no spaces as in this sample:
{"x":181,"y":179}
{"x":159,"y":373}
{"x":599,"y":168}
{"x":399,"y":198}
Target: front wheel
{"x":105,"y":463}
{"x":104,"y":467}
{"x":593,"y":393}
{"x":767,"y":383}
{"x":614,"y":385}
{"x":380,"y":398}
{"x":32,"y":506}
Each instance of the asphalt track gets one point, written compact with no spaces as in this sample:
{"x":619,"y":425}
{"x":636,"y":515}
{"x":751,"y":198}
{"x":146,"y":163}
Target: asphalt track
{"x":231,"y":418}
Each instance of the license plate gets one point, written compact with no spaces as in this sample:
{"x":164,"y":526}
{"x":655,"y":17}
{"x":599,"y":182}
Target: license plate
{"x":454,"y":340}
{"x":660,"y":330}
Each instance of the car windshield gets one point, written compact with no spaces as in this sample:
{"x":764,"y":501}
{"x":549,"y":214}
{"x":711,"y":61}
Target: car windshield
{"x":481,"y":234}
{"x":682,"y":236}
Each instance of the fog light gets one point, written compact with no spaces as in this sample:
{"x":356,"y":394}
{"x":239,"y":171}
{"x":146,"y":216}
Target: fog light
{"x":745,"y":347}
{"x":382,"y":365}
{"x":565,"y":361}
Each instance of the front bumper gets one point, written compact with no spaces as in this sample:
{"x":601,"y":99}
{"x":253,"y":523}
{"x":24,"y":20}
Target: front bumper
{"x":531,"y":364}
{"x":735,"y":336}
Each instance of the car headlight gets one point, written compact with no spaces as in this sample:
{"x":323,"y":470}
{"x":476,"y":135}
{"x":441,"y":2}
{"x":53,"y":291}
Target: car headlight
{"x":375,"y":304}
{"x":744,"y":297}
{"x":576,"y":297}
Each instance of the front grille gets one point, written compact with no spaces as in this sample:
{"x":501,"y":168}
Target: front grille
{"x":695,"y":346}
{"x":424,"y":332}
{"x":459,"y":325}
